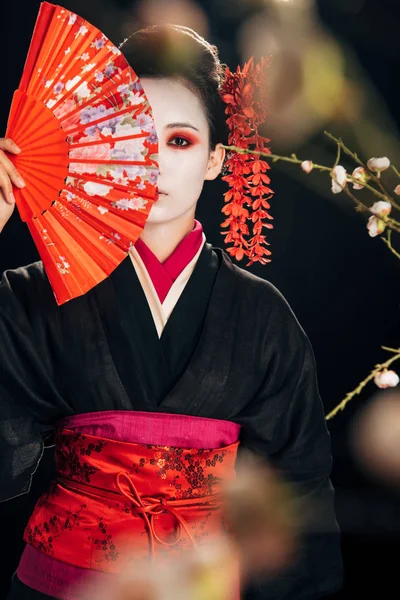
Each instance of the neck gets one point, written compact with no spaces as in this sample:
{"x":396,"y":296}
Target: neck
{"x":163,"y":238}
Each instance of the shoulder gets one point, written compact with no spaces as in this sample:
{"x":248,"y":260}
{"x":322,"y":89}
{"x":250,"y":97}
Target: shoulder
{"x":25,"y":281}
{"x":257,"y":290}
{"x":27,"y":288}
{"x":262,"y":308}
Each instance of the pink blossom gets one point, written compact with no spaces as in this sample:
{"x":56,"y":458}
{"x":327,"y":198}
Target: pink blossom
{"x":361,"y":175}
{"x":397,"y":190}
{"x":378,"y":164}
{"x":67,"y":106}
{"x":375,"y":226}
{"x":93,"y":152}
{"x":339,"y":179}
{"x":307,"y":166}
{"x":381,"y":208}
{"x":385,"y":379}
{"x":135,"y":203}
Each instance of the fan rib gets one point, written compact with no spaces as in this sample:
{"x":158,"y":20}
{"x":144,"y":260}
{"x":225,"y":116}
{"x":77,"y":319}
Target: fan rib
{"x":124,"y":111}
{"x":34,"y":185}
{"x":68,"y":64}
{"x":138,"y":214}
{"x":55,"y":178}
{"x":42,"y":26}
{"x":39,"y":123}
{"x":43,"y":58}
{"x":97,"y":161}
{"x":117,"y":186}
{"x":52,"y":55}
{"x":109,"y":140}
{"x":84,"y":242}
{"x":82,"y":106}
{"x":76,"y":86}
{"x":46,"y":144}
{"x":75,"y":278}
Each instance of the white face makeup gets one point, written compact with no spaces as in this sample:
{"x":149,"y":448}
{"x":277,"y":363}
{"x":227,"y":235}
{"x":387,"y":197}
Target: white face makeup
{"x":185,"y":160}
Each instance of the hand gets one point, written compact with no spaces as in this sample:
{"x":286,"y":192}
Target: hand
{"x":9,"y":176}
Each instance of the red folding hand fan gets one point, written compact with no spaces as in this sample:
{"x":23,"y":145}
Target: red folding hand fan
{"x":89,"y":151}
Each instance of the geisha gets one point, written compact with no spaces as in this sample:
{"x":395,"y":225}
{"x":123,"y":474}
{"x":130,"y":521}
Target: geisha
{"x":149,"y":384}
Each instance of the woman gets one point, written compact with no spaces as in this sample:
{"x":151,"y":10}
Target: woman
{"x":177,"y":348}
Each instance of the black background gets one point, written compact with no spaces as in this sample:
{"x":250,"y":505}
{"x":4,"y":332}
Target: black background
{"x":342,"y":284}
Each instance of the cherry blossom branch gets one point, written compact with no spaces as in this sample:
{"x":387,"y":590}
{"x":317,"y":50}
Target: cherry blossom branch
{"x":293,"y":159}
{"x":337,"y":157}
{"x":376,"y":371}
{"x":361,"y":206}
{"x":384,"y":193}
{"x":389,"y":222}
{"x":388,"y":242}
{"x":395,"y":170}
{"x":275,"y":157}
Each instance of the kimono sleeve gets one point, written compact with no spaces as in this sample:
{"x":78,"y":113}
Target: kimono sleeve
{"x":286,"y":425}
{"x":26,"y":390}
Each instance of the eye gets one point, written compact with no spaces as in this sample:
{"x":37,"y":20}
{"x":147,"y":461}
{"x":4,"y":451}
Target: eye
{"x":179,"y":142}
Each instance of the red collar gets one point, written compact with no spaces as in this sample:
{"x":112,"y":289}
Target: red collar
{"x":164,"y":274}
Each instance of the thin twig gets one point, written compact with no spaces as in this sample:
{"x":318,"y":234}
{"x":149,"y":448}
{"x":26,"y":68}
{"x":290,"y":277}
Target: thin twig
{"x":340,"y":143}
{"x":392,"y":223}
{"x":355,"y":157}
{"x":354,"y":198}
{"x":395,"y":170}
{"x":337,"y":156}
{"x":293,"y":159}
{"x":341,"y":406}
{"x":388,"y":242}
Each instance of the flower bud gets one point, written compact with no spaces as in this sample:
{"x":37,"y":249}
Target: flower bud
{"x":375,"y":226}
{"x":378,"y":164}
{"x":381,"y":208}
{"x":339,"y":179}
{"x":307,"y":166}
{"x":397,"y":190}
{"x":361,"y":175}
{"x":386,"y":379}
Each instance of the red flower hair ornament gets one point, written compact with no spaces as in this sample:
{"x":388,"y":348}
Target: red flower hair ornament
{"x":246,"y":202}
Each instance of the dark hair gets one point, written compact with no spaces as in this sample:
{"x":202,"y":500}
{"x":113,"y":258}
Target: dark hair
{"x":177,"y":51}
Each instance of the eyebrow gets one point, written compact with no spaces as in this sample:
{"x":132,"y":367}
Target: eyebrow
{"x":173,"y":125}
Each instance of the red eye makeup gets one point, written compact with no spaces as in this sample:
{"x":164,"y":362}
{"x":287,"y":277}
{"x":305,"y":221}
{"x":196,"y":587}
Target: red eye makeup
{"x":182,"y":140}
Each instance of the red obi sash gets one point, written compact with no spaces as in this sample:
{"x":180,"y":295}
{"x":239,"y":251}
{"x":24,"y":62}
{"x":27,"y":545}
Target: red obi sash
{"x":115,"y":502}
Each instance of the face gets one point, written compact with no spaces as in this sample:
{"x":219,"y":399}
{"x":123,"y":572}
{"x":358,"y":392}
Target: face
{"x":185,"y":159}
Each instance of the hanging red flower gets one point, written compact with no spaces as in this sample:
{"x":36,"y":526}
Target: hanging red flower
{"x":246,"y":202}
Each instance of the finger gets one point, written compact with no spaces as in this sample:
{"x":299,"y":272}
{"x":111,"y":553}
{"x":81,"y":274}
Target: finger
{"x":9,"y":145}
{"x":6,"y":187}
{"x":14,"y":175}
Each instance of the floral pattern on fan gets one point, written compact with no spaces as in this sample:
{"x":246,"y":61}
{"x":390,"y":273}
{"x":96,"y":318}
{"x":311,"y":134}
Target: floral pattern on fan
{"x":89,"y":151}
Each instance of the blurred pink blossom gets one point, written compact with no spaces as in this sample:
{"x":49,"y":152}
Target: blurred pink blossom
{"x":375,"y":226}
{"x":381,"y":208}
{"x":386,"y":379}
{"x":378,"y":164}
{"x":361,"y":175}
{"x":307,"y":166}
{"x":339,"y":179}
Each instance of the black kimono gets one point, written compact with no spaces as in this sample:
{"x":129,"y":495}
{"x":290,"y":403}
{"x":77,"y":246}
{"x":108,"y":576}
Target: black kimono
{"x":232,"y":349}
